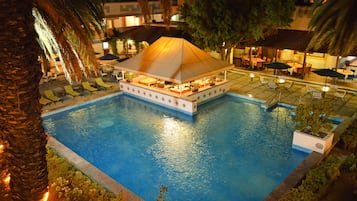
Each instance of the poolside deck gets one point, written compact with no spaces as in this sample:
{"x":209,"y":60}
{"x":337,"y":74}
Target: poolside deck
{"x":242,"y":84}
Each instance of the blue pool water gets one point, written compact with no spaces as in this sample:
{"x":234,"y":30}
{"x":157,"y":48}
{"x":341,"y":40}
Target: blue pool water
{"x":231,"y":150}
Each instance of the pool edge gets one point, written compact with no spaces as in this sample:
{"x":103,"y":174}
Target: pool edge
{"x":91,"y":171}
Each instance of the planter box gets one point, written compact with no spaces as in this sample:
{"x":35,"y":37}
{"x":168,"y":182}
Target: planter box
{"x":308,"y":142}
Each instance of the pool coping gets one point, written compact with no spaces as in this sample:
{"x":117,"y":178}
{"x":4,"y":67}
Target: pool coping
{"x":91,"y":171}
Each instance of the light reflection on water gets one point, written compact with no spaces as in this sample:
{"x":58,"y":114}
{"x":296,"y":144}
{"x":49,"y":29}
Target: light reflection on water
{"x":231,"y":150}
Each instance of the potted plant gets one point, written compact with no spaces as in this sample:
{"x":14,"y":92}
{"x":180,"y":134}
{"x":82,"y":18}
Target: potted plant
{"x":313,"y":127}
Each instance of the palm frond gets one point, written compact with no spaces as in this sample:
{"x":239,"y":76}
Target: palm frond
{"x":72,"y":25}
{"x":334,"y":24}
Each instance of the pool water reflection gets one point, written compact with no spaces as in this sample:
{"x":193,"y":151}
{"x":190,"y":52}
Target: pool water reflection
{"x":231,"y":150}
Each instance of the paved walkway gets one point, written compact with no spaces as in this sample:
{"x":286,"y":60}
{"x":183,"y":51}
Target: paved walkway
{"x":241,"y":84}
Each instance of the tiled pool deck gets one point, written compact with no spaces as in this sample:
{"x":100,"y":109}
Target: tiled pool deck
{"x":243,"y":85}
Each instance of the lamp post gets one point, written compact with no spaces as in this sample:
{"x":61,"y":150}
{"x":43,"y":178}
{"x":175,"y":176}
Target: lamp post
{"x":324,"y":90}
{"x":105,"y":45}
{"x":251,"y":75}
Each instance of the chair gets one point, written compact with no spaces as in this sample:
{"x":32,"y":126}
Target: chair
{"x":299,"y":71}
{"x":316,"y":95}
{"x":45,"y":101}
{"x":88,"y":87}
{"x":262,"y":80}
{"x":119,"y":76}
{"x":69,"y":91}
{"x":340,"y":94}
{"x":51,"y":96}
{"x":308,"y":69}
{"x":309,"y":89}
{"x":289,"y":86}
{"x":273,"y":85}
{"x":99,"y":81}
{"x":102,"y":73}
{"x":260,"y":66}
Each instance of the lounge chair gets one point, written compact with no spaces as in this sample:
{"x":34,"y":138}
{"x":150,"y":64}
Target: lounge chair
{"x":51,"y":96}
{"x":99,"y":81}
{"x":88,"y":87}
{"x":69,"y":91}
{"x":45,"y":101}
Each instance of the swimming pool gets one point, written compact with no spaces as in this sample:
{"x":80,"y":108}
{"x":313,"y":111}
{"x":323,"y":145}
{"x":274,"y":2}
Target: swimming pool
{"x":231,"y":150}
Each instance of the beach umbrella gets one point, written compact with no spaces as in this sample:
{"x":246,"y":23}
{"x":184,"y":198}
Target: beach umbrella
{"x":277,"y":66}
{"x":328,"y":73}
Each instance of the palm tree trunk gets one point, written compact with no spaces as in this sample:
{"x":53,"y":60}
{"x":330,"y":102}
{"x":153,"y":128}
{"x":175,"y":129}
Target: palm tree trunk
{"x":20,"y":112}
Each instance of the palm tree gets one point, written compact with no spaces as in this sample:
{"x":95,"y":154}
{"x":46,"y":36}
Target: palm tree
{"x":22,"y":137}
{"x":334,"y":24}
{"x":165,"y":6}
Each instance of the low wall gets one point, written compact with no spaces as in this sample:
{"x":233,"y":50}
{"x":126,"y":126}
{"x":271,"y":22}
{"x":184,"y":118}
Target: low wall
{"x":186,"y":103}
{"x":182,"y":104}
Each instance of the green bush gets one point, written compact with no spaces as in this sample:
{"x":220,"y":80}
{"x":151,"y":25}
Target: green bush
{"x":316,"y":182}
{"x":349,"y":137}
{"x":349,"y":164}
{"x":313,"y":116}
{"x":70,"y":184}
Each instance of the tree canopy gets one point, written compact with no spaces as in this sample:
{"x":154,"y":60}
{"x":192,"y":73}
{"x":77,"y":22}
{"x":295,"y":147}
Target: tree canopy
{"x":334,"y":24}
{"x":222,"y":24}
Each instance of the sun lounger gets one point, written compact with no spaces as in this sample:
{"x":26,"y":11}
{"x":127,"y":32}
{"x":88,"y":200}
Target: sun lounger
{"x":51,"y":96}
{"x":69,"y":91}
{"x":99,"y":81}
{"x":88,"y":87}
{"x":45,"y":101}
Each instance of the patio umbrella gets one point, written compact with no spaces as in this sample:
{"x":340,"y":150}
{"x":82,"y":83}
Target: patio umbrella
{"x":328,"y":73}
{"x":277,"y":66}
{"x":108,"y":57}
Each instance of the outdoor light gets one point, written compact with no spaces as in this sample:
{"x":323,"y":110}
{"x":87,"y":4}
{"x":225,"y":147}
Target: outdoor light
{"x":281,"y":80}
{"x":1,"y":148}
{"x":105,"y":45}
{"x":251,"y":75}
{"x":7,"y":180}
{"x":45,"y":196}
{"x":130,"y":42}
{"x":325,"y":88}
{"x":250,"y":95}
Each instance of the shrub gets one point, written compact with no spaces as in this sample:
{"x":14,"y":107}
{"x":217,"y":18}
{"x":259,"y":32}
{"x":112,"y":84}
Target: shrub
{"x":349,"y":137}
{"x":316,"y":182}
{"x":70,"y":184}
{"x":313,"y":116}
{"x":349,"y":164}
